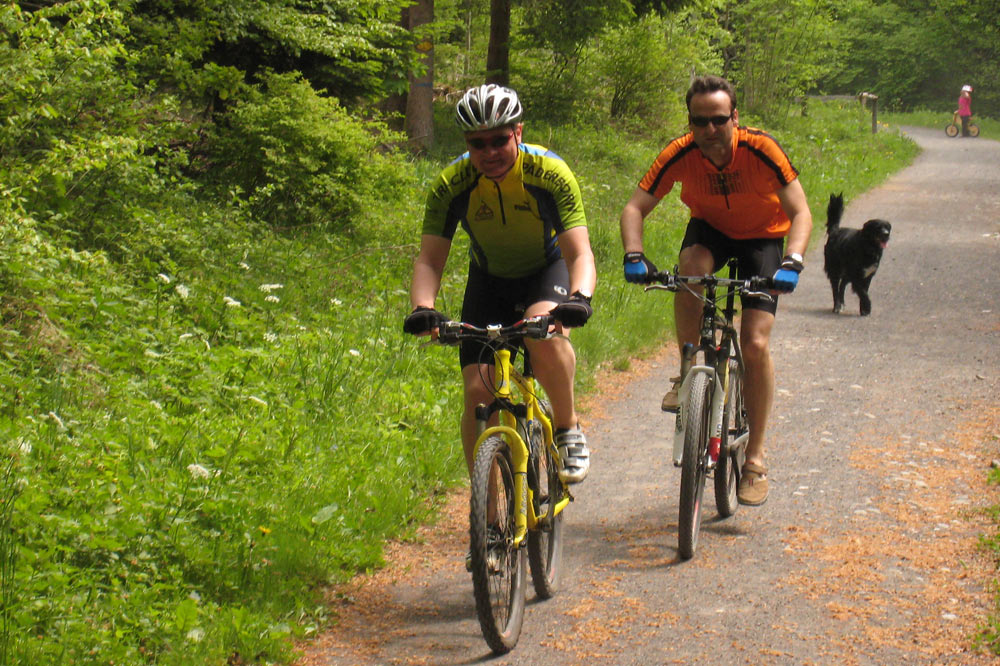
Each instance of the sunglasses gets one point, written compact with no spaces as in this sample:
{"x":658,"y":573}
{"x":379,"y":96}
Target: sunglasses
{"x":494,"y":142}
{"x":701,"y":121}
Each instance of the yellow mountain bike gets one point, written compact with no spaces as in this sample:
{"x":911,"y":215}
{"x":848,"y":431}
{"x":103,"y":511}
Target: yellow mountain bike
{"x":516,"y":498}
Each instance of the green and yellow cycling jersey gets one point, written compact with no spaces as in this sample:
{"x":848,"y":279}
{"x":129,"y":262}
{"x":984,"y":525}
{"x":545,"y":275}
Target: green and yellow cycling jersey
{"x":513,"y":224}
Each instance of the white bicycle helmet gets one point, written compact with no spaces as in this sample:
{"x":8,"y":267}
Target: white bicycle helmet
{"x":966,"y":88}
{"x":487,"y":107}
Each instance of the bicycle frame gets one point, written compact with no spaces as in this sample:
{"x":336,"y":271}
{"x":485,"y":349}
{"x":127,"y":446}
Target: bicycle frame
{"x":716,"y":366}
{"x":510,"y":414}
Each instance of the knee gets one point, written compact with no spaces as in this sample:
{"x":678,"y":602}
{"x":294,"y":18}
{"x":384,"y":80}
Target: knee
{"x":756,"y":349}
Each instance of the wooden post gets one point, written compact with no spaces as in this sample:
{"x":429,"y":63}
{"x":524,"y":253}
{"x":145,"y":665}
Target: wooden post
{"x":874,"y":98}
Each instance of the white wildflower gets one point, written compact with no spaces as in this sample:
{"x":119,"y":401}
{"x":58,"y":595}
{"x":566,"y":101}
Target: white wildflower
{"x":244,"y":265}
{"x":24,"y":446}
{"x":198,"y":472}
{"x":156,"y":404}
{"x":149,"y":353}
{"x":267,"y":288}
{"x":196,"y":635}
{"x":336,"y":301}
{"x":163,"y":277}
{"x":186,"y":336}
{"x":271,"y":298}
{"x":271,"y":337}
{"x":354,"y":352}
{"x":182,"y":291}
{"x":59,"y":422}
{"x":231,"y":302}
{"x":254,"y":399}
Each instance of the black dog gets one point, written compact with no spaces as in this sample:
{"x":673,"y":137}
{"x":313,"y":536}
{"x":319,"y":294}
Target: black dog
{"x":851,"y":256}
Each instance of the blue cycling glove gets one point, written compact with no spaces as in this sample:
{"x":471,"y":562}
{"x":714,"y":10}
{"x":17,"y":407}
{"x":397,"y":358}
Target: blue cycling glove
{"x":638,"y":268}
{"x":787,"y":277}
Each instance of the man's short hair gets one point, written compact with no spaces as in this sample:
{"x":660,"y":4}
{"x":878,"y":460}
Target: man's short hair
{"x":711,"y":84}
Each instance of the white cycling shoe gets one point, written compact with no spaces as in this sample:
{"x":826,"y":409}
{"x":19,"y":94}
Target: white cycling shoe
{"x":575,"y":456}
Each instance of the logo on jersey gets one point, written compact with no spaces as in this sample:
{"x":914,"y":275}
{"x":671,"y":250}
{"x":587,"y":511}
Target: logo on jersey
{"x":484,"y":213}
{"x":559,"y":289}
{"x":723,"y":184}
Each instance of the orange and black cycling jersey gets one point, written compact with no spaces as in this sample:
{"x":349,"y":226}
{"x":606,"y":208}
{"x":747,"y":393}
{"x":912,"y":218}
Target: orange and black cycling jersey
{"x":740,"y":200}
{"x":513,"y":224}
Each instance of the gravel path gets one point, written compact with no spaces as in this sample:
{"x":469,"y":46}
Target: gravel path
{"x":866,"y":551}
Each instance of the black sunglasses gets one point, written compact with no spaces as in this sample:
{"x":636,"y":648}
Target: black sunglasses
{"x":701,"y":121}
{"x":495,"y":142}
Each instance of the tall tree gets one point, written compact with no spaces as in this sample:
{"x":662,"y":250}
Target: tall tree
{"x":420,"y":100}
{"x":498,"y":54}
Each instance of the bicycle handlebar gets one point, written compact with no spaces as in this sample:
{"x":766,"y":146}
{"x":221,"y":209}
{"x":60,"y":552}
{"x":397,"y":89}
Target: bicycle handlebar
{"x":756,"y":286}
{"x":453,"y":332}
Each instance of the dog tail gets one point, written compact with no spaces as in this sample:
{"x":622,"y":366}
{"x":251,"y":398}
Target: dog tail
{"x":834,"y":211}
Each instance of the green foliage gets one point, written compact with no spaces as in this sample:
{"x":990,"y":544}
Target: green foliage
{"x":646,"y":65}
{"x":300,"y":158}
{"x":350,"y":48}
{"x":778,"y":50}
{"x":918,"y":54}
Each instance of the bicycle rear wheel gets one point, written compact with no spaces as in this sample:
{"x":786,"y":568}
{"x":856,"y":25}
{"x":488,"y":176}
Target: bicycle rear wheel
{"x":951,"y":130}
{"x":545,"y":542}
{"x":498,"y":571}
{"x":693,"y":465}
{"x":734,"y":424}
{"x":973,"y":130}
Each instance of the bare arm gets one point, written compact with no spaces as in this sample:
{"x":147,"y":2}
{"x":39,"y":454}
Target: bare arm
{"x":427,"y":270}
{"x":793,"y":202}
{"x":638,"y":207}
{"x":575,"y":246}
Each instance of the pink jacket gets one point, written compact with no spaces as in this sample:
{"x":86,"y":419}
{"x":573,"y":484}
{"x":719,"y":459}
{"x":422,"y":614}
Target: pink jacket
{"x":964,"y":105}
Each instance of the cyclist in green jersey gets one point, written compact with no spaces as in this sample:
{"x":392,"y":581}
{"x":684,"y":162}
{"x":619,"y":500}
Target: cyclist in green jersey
{"x":529,"y":255}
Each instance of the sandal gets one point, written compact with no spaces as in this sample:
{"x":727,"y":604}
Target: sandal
{"x":753,"y":485}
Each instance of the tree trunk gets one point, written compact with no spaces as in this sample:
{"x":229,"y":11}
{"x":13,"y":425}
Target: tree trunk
{"x":498,"y":54}
{"x":419,"y":102}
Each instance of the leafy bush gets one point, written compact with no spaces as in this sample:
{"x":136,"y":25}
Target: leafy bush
{"x":301,"y":159}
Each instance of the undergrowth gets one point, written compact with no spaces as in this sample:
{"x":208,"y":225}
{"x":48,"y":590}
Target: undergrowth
{"x":207,"y":419}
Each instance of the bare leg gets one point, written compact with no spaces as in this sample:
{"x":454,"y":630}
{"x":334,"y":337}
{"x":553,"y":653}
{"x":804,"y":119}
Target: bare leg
{"x":554,"y":364}
{"x":755,"y":340}
{"x":694,"y":260}
{"x":477,"y":392}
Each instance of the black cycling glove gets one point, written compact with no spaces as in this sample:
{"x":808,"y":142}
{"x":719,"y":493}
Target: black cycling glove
{"x":575,"y":311}
{"x":422,"y":320}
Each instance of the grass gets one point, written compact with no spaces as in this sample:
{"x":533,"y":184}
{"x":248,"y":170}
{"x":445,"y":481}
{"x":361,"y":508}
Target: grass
{"x":200,"y":438}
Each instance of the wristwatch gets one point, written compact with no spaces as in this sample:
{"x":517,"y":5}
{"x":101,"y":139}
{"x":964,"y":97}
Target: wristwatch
{"x":796,"y":256}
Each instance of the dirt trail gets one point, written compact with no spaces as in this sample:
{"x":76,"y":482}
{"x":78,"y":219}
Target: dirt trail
{"x":866,"y":551}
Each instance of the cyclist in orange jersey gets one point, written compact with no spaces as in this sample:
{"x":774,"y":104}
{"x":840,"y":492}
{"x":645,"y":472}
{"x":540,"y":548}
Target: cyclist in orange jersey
{"x":746,"y":201}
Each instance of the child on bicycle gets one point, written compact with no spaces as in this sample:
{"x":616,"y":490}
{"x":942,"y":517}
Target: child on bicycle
{"x":530,"y":254}
{"x":965,"y":108}
{"x":745,"y":199}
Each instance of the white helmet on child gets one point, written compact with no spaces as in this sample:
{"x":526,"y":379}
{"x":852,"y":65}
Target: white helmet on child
{"x":966,"y":88}
{"x":487,"y":107}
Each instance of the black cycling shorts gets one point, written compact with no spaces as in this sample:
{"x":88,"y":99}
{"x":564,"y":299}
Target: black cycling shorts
{"x":493,"y":300}
{"x":754,"y":256}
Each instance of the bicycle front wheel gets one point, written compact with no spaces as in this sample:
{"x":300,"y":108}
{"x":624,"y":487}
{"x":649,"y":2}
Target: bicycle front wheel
{"x":951,"y":130}
{"x":498,"y":571}
{"x":734,"y":419}
{"x":545,"y":542}
{"x":693,"y":465}
{"x":973,"y":130}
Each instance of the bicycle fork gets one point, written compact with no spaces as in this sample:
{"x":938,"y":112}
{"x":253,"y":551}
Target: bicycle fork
{"x":517,"y":446}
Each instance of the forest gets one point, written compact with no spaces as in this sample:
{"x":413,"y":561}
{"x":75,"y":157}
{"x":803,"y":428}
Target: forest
{"x":208,"y":214}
